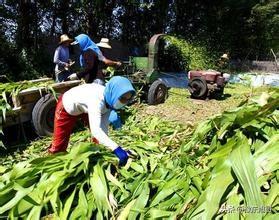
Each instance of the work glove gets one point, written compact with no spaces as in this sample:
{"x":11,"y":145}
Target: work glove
{"x":122,"y":155}
{"x":115,"y":120}
{"x":73,"y":76}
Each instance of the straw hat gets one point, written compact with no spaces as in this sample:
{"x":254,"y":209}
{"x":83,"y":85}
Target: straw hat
{"x":64,"y":38}
{"x":225,"y":56}
{"x":104,"y":43}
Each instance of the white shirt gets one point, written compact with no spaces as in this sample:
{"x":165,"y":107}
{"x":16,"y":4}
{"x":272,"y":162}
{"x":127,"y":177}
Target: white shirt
{"x":89,"y":98}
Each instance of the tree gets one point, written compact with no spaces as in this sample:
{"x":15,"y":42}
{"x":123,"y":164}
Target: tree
{"x":264,"y":23}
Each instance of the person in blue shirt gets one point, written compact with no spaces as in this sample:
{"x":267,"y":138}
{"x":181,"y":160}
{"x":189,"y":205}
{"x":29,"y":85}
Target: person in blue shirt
{"x":61,"y":59}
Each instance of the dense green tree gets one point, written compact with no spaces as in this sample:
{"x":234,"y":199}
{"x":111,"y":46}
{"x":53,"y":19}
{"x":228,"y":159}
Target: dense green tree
{"x":247,"y":29}
{"x":264,"y":23}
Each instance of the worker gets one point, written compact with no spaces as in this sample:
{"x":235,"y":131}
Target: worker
{"x":103,"y":44}
{"x":223,"y":63}
{"x":61,"y":59}
{"x":89,"y":59}
{"x":96,"y":102}
{"x":114,"y":117}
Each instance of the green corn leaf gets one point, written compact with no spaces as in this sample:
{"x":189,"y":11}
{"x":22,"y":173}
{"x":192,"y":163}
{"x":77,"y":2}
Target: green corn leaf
{"x":267,"y":158}
{"x":99,"y":188}
{"x":273,"y":194}
{"x":81,"y":210}
{"x":138,"y":168}
{"x":24,"y":206}
{"x":244,"y":168}
{"x":35,"y":213}
{"x":209,"y":201}
{"x":159,"y":214}
{"x":67,"y":205}
{"x":114,"y":181}
{"x":125,"y":212}
{"x":164,"y":191}
{"x":140,"y":202}
{"x":21,"y":192}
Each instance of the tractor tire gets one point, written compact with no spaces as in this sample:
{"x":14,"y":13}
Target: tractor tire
{"x":198,"y":88}
{"x":157,"y":93}
{"x":43,"y":115}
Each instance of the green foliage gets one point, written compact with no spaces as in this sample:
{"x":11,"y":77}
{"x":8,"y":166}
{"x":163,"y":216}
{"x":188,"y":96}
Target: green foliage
{"x":231,"y":160}
{"x":11,"y":89}
{"x":15,"y":64}
{"x":265,"y":20}
{"x":177,"y":54}
{"x":8,"y":90}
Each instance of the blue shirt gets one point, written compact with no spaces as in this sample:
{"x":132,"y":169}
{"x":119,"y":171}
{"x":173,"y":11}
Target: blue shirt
{"x":61,"y":57}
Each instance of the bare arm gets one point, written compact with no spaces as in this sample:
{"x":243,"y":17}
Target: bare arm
{"x":109,"y":62}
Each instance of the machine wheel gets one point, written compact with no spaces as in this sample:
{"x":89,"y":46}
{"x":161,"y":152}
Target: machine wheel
{"x":157,"y":93}
{"x":198,"y":88}
{"x":43,"y":115}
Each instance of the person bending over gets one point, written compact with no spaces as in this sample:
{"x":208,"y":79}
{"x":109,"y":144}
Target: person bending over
{"x":96,"y":102}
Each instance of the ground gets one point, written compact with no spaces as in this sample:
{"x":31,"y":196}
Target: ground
{"x":180,"y":107}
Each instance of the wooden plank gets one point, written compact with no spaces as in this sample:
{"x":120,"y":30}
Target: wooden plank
{"x":34,"y":94}
{"x":46,"y":79}
{"x":22,"y":114}
{"x":26,"y":99}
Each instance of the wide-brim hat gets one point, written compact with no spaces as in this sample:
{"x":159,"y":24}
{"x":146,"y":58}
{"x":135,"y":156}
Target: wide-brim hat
{"x":104,"y":43}
{"x":225,"y":56}
{"x":64,"y":38}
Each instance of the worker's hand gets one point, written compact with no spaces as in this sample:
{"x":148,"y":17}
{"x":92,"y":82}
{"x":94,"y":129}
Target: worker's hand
{"x":73,"y":76}
{"x":118,"y":63}
{"x":122,"y":155}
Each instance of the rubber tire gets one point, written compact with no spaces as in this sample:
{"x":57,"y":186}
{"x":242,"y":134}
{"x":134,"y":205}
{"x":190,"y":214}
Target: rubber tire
{"x":43,"y":115}
{"x":152,"y":97}
{"x":198,"y":81}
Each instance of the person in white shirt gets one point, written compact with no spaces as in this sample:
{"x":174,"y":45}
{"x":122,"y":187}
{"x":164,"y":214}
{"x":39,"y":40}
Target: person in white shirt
{"x":97,"y":102}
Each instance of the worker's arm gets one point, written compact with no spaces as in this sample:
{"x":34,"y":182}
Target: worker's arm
{"x":109,"y":62}
{"x":99,"y":126}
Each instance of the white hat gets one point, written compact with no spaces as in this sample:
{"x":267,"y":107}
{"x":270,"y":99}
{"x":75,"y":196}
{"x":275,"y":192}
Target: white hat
{"x":64,"y":38}
{"x":104,"y":43}
{"x":225,"y":56}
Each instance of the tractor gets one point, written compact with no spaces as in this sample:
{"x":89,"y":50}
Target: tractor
{"x":206,"y":83}
{"x":148,"y":75}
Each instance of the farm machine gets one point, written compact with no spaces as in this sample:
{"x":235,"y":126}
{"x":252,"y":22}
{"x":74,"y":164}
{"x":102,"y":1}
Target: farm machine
{"x":148,"y":74}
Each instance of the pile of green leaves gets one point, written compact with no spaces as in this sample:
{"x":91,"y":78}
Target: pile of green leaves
{"x":8,"y":90}
{"x":11,"y":89}
{"x":240,"y":151}
{"x":230,"y":160}
{"x":177,"y":54}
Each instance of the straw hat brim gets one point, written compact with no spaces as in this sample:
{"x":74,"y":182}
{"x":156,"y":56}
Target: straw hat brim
{"x":104,"y":45}
{"x":66,"y":40}
{"x":225,"y":56}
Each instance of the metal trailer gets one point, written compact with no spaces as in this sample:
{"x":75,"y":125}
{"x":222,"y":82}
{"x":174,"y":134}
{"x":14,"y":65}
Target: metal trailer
{"x":146,"y":73}
{"x":36,"y":105}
